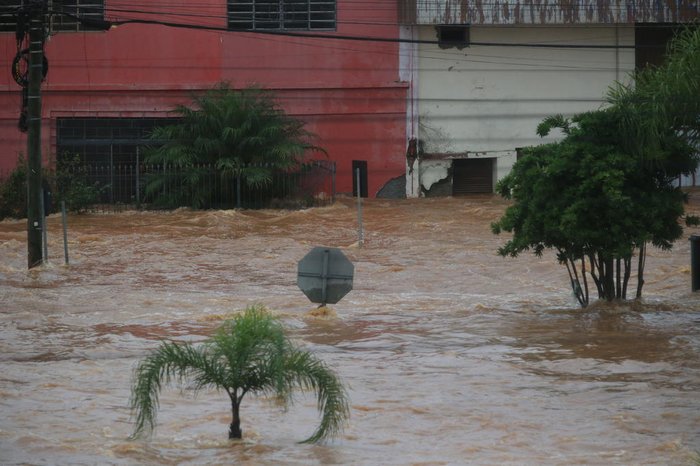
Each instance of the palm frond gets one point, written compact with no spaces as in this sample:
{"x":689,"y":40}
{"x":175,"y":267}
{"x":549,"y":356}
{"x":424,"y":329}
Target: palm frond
{"x":247,"y":354}
{"x":304,"y":370}
{"x":249,"y":343}
{"x":169,"y":362}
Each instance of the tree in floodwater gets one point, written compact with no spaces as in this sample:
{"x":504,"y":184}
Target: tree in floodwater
{"x":597,"y":198}
{"x":248,"y":354}
{"x":593,"y":203}
{"x":226,"y":135}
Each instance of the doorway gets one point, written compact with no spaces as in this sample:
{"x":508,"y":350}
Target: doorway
{"x":360,"y":165}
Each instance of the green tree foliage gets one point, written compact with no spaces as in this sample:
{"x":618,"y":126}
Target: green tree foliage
{"x":72,"y":187}
{"x":241,"y":133}
{"x":67,"y":184}
{"x":598,"y":196}
{"x":662,"y":97}
{"x":13,"y":192}
{"x":248,"y":354}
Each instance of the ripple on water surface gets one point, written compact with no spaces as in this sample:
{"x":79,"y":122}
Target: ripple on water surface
{"x":451,"y":354}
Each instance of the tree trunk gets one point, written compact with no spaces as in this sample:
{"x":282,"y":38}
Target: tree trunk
{"x":235,"y":428}
{"x":640,"y":269}
{"x":595,"y":274}
{"x":609,"y":277}
{"x":628,"y":272}
{"x":585,"y":281}
{"x":575,"y":284}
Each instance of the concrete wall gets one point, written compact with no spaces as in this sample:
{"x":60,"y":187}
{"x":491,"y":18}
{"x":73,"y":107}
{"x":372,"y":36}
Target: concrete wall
{"x":486,"y":101}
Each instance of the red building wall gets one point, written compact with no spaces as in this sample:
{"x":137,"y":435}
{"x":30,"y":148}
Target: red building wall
{"x":347,"y":91}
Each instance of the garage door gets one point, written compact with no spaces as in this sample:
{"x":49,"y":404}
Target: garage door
{"x":472,"y":176}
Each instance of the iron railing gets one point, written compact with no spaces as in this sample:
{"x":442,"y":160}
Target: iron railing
{"x":115,"y":187}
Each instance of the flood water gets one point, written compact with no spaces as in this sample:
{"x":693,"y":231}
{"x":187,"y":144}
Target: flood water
{"x":451,"y":354}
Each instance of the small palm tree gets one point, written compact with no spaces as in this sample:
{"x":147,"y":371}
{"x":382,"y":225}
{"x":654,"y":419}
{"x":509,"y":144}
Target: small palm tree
{"x":248,"y":354}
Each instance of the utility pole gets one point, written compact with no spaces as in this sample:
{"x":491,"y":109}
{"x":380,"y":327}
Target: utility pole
{"x":34,"y":172}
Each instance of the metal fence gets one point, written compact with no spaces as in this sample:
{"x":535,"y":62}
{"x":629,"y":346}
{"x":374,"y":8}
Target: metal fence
{"x":114,"y":187}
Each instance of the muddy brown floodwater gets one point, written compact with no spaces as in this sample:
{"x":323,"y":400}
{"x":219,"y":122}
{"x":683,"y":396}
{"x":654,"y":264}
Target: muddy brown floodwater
{"x":451,"y":354}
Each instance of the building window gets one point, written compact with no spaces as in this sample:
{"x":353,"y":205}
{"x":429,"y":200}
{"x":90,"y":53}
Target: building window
{"x":92,"y":138}
{"x":651,"y":43}
{"x":280,"y":15}
{"x":452,"y":36}
{"x":87,"y":9}
{"x":110,"y":151}
{"x":8,"y":12}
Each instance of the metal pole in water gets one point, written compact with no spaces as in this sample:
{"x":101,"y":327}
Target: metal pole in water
{"x":324,"y":277}
{"x":44,"y":239}
{"x":360,"y":232}
{"x":138,"y":181}
{"x":333,"y":182}
{"x":695,"y":262}
{"x":65,"y":231}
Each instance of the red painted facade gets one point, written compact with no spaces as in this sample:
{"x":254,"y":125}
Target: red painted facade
{"x":348,"y":92}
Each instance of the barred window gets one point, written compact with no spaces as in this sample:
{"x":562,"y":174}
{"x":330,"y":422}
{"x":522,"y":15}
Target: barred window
{"x":8,"y":12}
{"x":299,"y":15}
{"x":87,"y":9}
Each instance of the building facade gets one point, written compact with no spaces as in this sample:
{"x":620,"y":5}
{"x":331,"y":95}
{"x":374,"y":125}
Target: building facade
{"x":420,"y":97}
{"x":105,"y":90}
{"x":482,"y":76}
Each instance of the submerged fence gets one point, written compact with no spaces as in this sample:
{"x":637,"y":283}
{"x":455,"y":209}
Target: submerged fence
{"x":109,"y":187}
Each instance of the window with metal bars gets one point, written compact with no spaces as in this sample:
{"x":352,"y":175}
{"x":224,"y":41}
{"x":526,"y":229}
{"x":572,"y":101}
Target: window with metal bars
{"x":294,"y":15}
{"x":8,"y":14}
{"x":63,"y":15}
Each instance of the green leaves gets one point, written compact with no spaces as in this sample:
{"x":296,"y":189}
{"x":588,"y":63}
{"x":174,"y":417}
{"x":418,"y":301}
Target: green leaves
{"x":585,"y":196}
{"x":169,"y":362}
{"x":247,"y":354}
{"x":551,"y":122}
{"x":607,"y":188}
{"x":243,"y":133}
{"x":663,"y":101}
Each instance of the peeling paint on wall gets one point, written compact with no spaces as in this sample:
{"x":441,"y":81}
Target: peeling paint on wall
{"x":432,"y":171}
{"x":547,"y":12}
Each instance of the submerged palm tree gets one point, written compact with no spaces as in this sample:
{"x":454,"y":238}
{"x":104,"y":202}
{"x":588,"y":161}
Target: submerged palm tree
{"x":248,"y":354}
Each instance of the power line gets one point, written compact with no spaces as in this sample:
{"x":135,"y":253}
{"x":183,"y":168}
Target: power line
{"x":342,"y":37}
{"x":554,"y":44}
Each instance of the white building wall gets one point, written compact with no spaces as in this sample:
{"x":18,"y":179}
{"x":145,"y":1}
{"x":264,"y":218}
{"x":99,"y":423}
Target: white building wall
{"x":487,"y":100}
{"x":408,"y":69}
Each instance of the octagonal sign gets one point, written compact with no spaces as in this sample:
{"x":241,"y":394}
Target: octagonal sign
{"x":325,"y":275}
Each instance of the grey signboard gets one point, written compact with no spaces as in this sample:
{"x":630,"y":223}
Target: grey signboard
{"x":325,"y":275}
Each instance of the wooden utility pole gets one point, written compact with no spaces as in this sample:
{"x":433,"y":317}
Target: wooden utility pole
{"x":34,"y":172}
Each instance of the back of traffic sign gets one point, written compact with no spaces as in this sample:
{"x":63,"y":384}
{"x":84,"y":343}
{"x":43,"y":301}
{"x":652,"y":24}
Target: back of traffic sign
{"x":325,"y":275}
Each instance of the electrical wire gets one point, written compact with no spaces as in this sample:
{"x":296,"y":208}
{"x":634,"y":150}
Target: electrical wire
{"x":302,"y":39}
{"x":335,"y":36}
